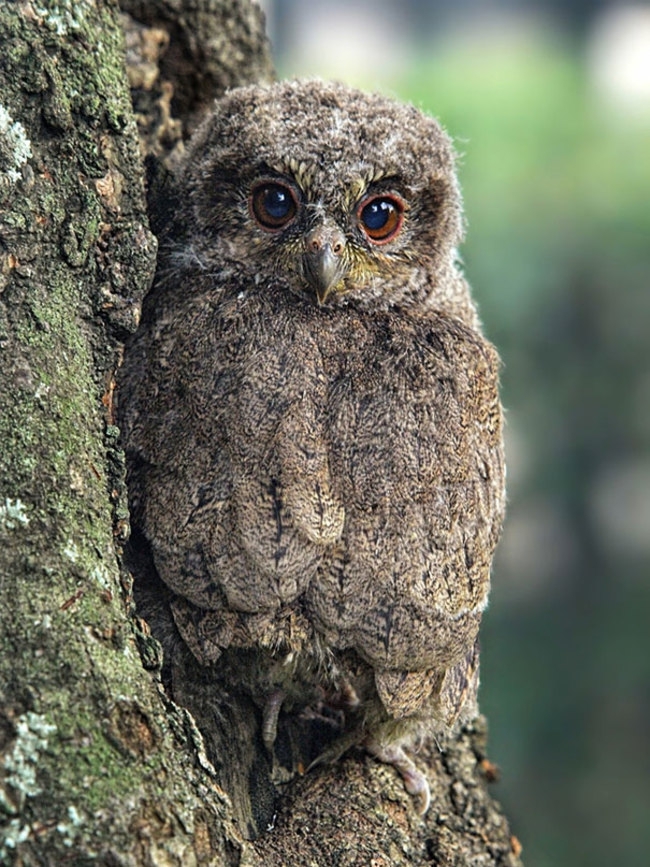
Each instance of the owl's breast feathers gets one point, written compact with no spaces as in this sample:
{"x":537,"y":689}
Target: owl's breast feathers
{"x":343,"y":463}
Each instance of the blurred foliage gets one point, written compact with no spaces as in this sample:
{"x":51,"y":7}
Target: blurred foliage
{"x":557,"y":189}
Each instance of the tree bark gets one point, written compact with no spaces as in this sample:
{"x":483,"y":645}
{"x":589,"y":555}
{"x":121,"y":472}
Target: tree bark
{"x":97,"y":765}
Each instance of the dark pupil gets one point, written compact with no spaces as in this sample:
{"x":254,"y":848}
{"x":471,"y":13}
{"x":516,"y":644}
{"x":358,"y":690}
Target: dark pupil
{"x":277,"y":203}
{"x":375,"y":215}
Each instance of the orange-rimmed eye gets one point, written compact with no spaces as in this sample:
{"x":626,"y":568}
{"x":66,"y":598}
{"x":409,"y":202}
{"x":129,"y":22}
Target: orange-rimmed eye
{"x":273,"y":205}
{"x":381,"y":217}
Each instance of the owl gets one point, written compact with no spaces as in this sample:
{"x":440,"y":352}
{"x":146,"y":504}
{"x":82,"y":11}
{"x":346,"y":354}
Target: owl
{"x":311,"y":416}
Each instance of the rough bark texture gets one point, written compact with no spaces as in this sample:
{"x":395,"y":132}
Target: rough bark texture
{"x":357,"y":813}
{"x":94,"y":766}
{"x":181,"y":55}
{"x":97,"y":766}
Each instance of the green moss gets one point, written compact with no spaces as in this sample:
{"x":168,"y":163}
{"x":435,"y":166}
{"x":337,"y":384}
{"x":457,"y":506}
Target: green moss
{"x":47,"y":419}
{"x":105,"y":774}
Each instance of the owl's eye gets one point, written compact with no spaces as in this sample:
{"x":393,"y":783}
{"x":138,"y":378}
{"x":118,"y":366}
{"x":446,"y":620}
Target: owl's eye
{"x":273,"y":205}
{"x":381,"y":217}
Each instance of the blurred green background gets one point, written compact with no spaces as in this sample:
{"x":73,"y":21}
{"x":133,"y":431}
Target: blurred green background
{"x":549,"y":105}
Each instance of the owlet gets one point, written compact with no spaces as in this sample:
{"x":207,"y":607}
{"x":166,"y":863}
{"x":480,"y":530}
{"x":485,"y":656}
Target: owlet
{"x":311,"y":415}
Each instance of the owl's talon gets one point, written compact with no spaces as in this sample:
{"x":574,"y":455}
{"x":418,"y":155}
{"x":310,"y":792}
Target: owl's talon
{"x":417,"y":785}
{"x":349,"y":698}
{"x":270,"y":717}
{"x":415,"y":782}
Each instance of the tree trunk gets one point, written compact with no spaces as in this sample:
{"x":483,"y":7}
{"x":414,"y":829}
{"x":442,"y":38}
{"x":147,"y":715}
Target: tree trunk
{"x":97,"y":765}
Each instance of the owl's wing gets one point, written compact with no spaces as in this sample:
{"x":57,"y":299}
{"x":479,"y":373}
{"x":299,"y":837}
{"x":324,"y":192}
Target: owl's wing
{"x":421,"y":461}
{"x":403,"y":693}
{"x":234,"y":495}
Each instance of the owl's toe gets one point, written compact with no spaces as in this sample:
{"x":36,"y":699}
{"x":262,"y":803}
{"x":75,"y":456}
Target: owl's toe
{"x":270,"y":717}
{"x":415,"y":782}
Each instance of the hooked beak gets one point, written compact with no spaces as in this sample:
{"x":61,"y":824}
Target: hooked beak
{"x":323,"y":263}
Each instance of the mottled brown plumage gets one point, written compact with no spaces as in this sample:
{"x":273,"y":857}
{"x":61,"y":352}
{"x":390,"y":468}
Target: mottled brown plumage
{"x":311,"y":414}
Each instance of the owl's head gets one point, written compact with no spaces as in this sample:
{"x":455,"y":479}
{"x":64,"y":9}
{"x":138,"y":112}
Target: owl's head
{"x":336,"y":195}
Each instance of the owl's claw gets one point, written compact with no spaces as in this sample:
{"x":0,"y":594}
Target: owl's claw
{"x":270,"y":717}
{"x":415,"y":782}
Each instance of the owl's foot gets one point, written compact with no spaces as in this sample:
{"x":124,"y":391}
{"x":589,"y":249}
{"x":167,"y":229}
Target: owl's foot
{"x":349,"y":699}
{"x":415,"y":782}
{"x":270,"y":717}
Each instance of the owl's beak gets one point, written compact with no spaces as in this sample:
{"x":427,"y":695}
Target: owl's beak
{"x":323,"y":262}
